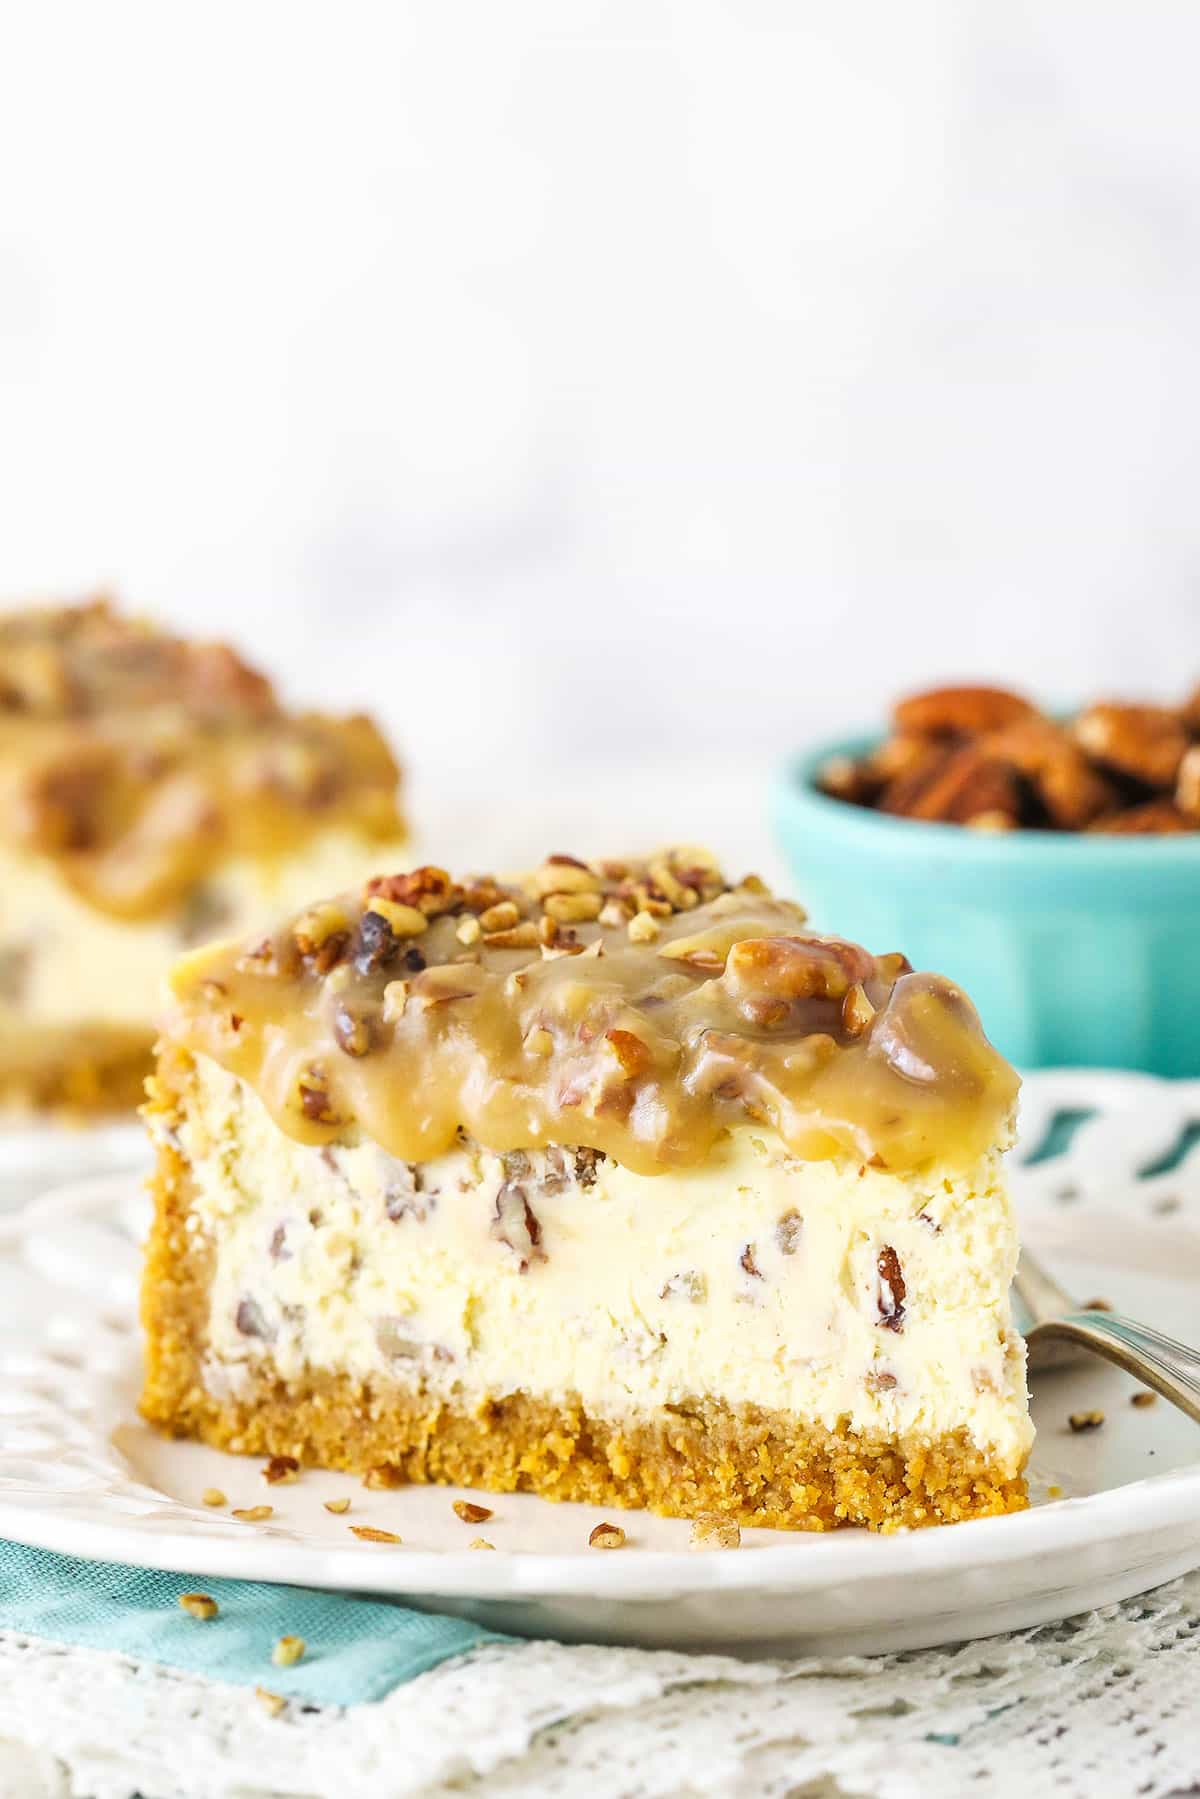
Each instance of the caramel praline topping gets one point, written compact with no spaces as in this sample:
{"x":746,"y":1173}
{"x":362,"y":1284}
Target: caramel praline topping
{"x":547,"y":1023}
{"x":138,"y":761}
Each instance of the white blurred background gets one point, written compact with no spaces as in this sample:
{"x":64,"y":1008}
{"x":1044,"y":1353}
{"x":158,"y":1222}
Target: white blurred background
{"x":612,"y":395}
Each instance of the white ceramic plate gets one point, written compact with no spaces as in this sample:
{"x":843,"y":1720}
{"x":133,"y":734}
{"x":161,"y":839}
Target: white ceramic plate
{"x":36,"y":1153}
{"x":1115,"y":1512}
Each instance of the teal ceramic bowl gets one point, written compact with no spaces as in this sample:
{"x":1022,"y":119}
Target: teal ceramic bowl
{"x":1077,"y":950}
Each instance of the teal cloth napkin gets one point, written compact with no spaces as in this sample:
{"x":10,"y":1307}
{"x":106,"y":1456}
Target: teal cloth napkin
{"x":357,"y":1648}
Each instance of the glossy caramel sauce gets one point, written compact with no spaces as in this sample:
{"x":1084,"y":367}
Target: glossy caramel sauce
{"x":639,"y":1009}
{"x":138,"y":762}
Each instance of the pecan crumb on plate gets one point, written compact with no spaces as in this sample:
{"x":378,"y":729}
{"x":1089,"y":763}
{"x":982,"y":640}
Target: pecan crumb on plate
{"x":712,"y":1530}
{"x":470,"y":1513}
{"x":607,"y":1536}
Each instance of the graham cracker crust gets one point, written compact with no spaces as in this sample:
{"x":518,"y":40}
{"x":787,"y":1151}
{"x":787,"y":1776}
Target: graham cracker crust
{"x":83,"y":1073}
{"x":761,"y":1467}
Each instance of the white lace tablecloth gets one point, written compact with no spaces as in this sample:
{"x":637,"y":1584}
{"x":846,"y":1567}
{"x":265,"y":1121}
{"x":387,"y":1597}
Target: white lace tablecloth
{"x":1106,"y":1704}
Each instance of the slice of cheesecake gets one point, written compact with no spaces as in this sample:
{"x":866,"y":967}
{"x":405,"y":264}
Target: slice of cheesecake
{"x":613,"y":1184}
{"x":153,"y":793}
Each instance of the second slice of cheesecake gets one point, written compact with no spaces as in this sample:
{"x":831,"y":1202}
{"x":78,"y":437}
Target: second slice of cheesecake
{"x":154,"y":793}
{"x":615,"y":1184}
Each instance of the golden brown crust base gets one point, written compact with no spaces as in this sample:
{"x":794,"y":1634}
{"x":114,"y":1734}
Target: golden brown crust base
{"x":761,"y":1467}
{"x":85,"y":1073}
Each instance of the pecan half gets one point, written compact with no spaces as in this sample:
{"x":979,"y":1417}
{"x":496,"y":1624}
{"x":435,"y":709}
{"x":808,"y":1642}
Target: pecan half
{"x":1187,"y":786}
{"x":1156,"y":818}
{"x":793,"y":968}
{"x":1062,"y":779}
{"x":969,"y":783}
{"x":960,"y":711}
{"x":1145,"y":742}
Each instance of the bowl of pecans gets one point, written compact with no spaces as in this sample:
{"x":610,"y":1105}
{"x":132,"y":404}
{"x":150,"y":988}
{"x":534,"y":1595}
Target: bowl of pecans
{"x":1050,"y":864}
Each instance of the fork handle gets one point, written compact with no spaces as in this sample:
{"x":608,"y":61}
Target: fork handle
{"x":1171,"y":1368}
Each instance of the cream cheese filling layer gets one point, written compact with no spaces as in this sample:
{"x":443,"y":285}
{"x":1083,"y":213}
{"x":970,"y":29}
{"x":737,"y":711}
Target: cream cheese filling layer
{"x":62,"y":962}
{"x":756,"y":1278}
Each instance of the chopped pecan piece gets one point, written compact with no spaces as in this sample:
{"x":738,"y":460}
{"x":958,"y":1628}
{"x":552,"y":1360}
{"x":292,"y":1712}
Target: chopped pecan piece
{"x":747,"y":1262}
{"x":631,"y":1053}
{"x":404,"y":1195}
{"x":352,"y":1032}
{"x":587,"y":1163}
{"x":402,"y":921}
{"x":788,"y":1232}
{"x":713,"y":1530}
{"x":429,"y":890}
{"x":607,"y":1536}
{"x":375,"y":943}
{"x":515,"y":1224}
{"x":251,"y":1321}
{"x":689,"y":1285}
{"x":315,"y":1102}
{"x":857,"y":1011}
{"x":891,"y":1291}
{"x":518,"y":936}
{"x":314,"y":928}
{"x":573,"y":908}
{"x":563,"y":874}
{"x":470,"y":1513}
{"x":500,"y":917}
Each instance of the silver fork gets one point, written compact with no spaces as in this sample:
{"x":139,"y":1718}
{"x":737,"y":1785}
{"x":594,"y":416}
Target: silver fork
{"x":1059,"y":1325}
